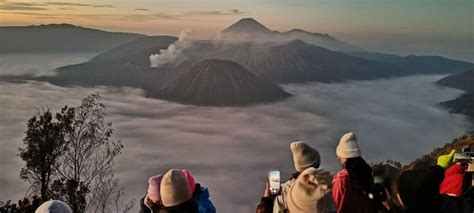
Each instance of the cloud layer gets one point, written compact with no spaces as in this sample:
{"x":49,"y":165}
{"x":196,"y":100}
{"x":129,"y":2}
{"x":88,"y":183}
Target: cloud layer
{"x":230,"y":150}
{"x":38,"y":65}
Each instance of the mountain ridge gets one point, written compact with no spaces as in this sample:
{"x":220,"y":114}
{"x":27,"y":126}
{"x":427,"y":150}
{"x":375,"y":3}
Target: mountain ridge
{"x":249,"y":29}
{"x":60,"y":38}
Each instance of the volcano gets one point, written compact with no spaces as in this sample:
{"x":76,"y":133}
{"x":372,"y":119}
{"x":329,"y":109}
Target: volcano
{"x":247,"y":25}
{"x":215,"y":82}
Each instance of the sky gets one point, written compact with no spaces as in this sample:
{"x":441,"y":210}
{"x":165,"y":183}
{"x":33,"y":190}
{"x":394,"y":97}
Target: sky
{"x":423,"y":27}
{"x":209,"y":16}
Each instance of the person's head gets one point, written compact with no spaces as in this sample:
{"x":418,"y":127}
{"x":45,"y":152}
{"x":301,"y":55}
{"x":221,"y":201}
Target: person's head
{"x":348,"y":147}
{"x":154,"y":185}
{"x":175,"y":188}
{"x":348,"y":152}
{"x":310,"y":193}
{"x":418,"y":191}
{"x":153,"y":192}
{"x":54,"y":206}
{"x":304,"y":156}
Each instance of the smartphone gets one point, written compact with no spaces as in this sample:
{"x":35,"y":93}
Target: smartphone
{"x":463,"y":157}
{"x":274,"y":181}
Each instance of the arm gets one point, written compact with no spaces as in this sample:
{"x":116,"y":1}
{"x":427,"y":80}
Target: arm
{"x":338,"y":193}
{"x":266,"y":203}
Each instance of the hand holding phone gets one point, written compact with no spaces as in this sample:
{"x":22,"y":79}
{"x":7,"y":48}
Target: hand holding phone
{"x":274,"y":181}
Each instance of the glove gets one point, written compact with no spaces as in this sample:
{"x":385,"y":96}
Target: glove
{"x":446,"y":160}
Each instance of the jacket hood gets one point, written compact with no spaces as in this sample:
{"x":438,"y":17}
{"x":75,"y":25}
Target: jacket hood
{"x":342,"y":174}
{"x":204,"y":194}
{"x":455,"y":169}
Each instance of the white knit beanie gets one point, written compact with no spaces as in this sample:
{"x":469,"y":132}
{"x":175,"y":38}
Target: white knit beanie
{"x":304,"y":156}
{"x":54,"y":206}
{"x":311,"y":192}
{"x":174,"y":188}
{"x":348,"y":147}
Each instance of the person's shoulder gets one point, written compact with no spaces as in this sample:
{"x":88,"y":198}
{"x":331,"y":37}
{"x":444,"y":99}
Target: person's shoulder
{"x":341,"y":176}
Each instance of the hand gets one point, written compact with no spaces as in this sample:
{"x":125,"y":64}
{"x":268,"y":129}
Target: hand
{"x":267,"y":193}
{"x":446,"y":160}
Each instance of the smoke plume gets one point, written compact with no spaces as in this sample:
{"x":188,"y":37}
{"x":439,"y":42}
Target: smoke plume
{"x":174,"y":53}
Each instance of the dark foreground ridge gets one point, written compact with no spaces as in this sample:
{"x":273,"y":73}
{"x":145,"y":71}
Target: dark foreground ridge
{"x":215,"y":82}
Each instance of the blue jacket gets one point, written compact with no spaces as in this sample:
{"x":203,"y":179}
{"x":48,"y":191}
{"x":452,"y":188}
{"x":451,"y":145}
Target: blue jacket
{"x":202,"y":201}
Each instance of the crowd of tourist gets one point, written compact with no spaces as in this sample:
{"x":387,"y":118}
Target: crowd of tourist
{"x":444,"y":187}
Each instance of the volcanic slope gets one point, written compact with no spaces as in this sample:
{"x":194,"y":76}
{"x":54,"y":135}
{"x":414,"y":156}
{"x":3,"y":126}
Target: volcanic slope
{"x":214,"y":82}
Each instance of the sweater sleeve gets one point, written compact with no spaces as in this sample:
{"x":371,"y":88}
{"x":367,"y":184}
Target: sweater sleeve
{"x":338,"y":192}
{"x":265,"y":205}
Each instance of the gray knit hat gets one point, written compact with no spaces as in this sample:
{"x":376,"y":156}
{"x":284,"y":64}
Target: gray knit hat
{"x":304,"y":156}
{"x":348,"y":147}
{"x":54,"y":206}
{"x":174,"y":188}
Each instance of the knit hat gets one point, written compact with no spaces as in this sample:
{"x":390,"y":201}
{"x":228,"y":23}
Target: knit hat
{"x":191,"y":181}
{"x":174,"y":188}
{"x":154,"y":188}
{"x":54,"y":206}
{"x":310,"y":192}
{"x":304,"y":156}
{"x":348,"y":147}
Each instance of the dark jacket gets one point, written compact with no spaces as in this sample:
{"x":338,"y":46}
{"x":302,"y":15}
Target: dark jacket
{"x":265,"y":205}
{"x":200,"y":201}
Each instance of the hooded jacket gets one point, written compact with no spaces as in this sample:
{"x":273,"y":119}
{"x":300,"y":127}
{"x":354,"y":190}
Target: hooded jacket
{"x":453,"y":180}
{"x":280,"y":205}
{"x":348,"y":198}
{"x":201,"y":199}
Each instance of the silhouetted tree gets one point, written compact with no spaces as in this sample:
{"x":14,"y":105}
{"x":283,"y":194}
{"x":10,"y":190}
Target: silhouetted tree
{"x":43,"y":145}
{"x":85,"y":175}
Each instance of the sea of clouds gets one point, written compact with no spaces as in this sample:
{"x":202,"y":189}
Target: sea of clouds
{"x":230,"y":150}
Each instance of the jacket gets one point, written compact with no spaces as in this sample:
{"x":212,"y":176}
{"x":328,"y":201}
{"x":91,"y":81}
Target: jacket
{"x":265,"y":205}
{"x":347,"y":198}
{"x":201,"y":199}
{"x":280,"y":205}
{"x":453,"y":180}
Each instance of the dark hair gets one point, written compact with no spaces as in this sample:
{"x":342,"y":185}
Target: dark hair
{"x":419,"y":191}
{"x":360,"y":174}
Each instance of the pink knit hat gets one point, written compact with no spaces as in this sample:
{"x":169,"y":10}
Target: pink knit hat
{"x":191,"y":182}
{"x":154,"y":188}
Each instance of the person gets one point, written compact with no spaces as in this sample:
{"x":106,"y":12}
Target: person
{"x":311,"y":192}
{"x":452,"y":184}
{"x":304,"y":156}
{"x":418,"y":190}
{"x":352,"y":187}
{"x":55,"y":206}
{"x":176,"y":191}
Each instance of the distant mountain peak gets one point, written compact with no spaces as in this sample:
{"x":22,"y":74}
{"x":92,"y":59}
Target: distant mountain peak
{"x":297,"y":43}
{"x":247,"y":25}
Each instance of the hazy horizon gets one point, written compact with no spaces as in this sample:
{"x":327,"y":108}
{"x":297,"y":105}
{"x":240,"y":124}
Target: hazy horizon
{"x":402,"y":27}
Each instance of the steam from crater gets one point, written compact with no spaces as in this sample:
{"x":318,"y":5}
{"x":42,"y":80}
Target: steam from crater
{"x":174,"y":53}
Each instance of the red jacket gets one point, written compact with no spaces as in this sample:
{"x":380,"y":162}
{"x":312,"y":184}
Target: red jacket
{"x":347,"y":198}
{"x":453,"y":178}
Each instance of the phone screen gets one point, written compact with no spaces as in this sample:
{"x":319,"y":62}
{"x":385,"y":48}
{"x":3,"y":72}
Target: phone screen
{"x":274,"y":181}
